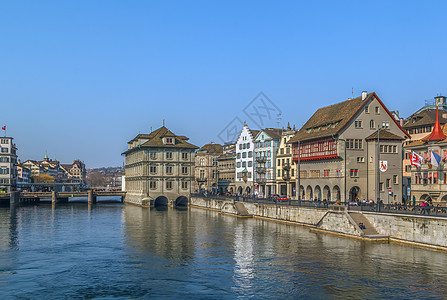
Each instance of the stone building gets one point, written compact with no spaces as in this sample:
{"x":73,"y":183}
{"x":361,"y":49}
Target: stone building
{"x":8,"y":165}
{"x":159,"y":169}
{"x":206,"y":167}
{"x":244,"y":160}
{"x":419,"y":125}
{"x":429,"y":182}
{"x":285,"y":166}
{"x":266,"y":145}
{"x":226,"y":169}
{"x":336,"y":152}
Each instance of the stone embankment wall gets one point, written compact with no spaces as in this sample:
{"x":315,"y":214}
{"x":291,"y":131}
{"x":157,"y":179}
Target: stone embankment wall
{"x":418,"y":229}
{"x":424,"y":231}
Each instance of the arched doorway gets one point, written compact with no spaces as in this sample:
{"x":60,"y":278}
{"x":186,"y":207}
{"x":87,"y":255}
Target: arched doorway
{"x":161,"y":201}
{"x":354,"y":193}
{"x":317,"y":192}
{"x":239,"y":190}
{"x":247,"y":190}
{"x":327,"y":193}
{"x":336,"y":193}
{"x":231,"y":190}
{"x":309,"y":194}
{"x":302,"y":192}
{"x":424,"y":197}
{"x":181,"y":201}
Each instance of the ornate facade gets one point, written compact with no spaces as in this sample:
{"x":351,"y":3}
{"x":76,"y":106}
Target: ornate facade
{"x":338,"y":157}
{"x":285,"y":166}
{"x":159,"y":169}
{"x":206,"y":169}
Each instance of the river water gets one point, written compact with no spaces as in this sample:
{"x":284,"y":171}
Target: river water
{"x":121,"y":251}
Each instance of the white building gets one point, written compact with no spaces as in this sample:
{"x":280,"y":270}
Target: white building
{"x":8,"y":163}
{"x":244,"y":160}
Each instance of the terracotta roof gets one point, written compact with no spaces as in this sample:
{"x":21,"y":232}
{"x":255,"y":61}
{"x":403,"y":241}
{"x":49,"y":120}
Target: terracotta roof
{"x":424,"y":118}
{"x":384,"y":135}
{"x":156,"y":140}
{"x":422,"y":142}
{"x":329,"y":120}
{"x":212,"y":148}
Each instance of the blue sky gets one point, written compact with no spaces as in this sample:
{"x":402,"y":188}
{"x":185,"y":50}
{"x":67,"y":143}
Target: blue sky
{"x":79,"y":79}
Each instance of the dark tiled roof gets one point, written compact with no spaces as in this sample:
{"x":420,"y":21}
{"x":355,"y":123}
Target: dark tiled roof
{"x":329,"y":120}
{"x":212,"y":148}
{"x":254,"y":133}
{"x":384,"y":135}
{"x":424,"y":118}
{"x":274,"y":133}
{"x":155,"y":140}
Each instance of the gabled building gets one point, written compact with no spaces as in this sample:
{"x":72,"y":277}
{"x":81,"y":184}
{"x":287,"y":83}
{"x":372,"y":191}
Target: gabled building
{"x":244,"y":160}
{"x":285,"y":166}
{"x":337,"y":152}
{"x":266,"y":145}
{"x":159,"y":168}
{"x":226,"y":164}
{"x":206,"y":168}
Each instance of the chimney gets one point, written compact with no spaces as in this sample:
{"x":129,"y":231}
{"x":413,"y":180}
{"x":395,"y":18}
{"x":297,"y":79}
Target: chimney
{"x":364,"y":94}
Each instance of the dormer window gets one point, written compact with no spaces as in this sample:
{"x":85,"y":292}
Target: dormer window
{"x":169,"y":141}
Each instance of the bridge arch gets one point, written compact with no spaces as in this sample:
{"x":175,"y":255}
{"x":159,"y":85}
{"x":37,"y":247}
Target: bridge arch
{"x":181,"y":201}
{"x":161,"y":201}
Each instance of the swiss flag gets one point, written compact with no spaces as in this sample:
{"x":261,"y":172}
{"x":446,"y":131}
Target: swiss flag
{"x":4,"y":127}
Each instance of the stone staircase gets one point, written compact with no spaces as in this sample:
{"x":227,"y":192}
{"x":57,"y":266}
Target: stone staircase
{"x":370,"y":231}
{"x":241,"y":209}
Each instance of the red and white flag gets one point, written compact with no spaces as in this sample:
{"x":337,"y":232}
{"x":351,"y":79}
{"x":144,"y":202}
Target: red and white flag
{"x":416,"y":159}
{"x":4,"y":127}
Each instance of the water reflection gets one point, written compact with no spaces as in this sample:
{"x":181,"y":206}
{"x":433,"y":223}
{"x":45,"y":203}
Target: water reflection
{"x":123,"y":251}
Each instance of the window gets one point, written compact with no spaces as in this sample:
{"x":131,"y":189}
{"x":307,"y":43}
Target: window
{"x":184,"y":184}
{"x":4,"y":170}
{"x":367,"y":109}
{"x":354,"y":173}
{"x":381,"y":187}
{"x":293,"y":172}
{"x":238,"y":164}
{"x":168,"y":155}
{"x":168,"y":170}
{"x":377,"y":110}
{"x":153,"y":185}
{"x":184,"y":155}
{"x":169,"y":185}
{"x":356,"y":144}
{"x":279,"y":173}
{"x":4,"y":150}
{"x":239,"y":155}
{"x":5,"y":141}
{"x":240,"y":146}
{"x":153,"y":169}
{"x":395,"y":179}
{"x":279,"y":162}
{"x":388,"y":183}
{"x":244,"y":164}
{"x":386,"y":124}
{"x":184,"y":170}
{"x":244,"y":154}
{"x":360,"y":159}
{"x":372,"y":124}
{"x":326,"y":173}
{"x":358,"y":124}
{"x":282,"y":151}
{"x":250,"y":164}
{"x":250,"y":154}
{"x":153,"y":155}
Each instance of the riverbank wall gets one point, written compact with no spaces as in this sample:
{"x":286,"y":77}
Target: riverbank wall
{"x":417,"y":230}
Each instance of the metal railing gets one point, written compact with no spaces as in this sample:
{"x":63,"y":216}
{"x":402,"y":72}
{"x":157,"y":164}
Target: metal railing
{"x":400,"y":208}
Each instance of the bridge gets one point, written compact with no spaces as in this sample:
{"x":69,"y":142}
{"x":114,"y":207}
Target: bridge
{"x":17,"y":198}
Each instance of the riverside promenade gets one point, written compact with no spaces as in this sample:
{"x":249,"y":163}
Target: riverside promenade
{"x":411,"y":225}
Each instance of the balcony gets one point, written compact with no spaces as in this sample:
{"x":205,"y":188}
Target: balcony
{"x":261,"y":181}
{"x":260,"y":170}
{"x":201,"y":179}
{"x":261,"y":159}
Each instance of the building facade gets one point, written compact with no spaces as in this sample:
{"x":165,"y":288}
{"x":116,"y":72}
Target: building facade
{"x":206,"y":168}
{"x":8,"y":165}
{"x":266,"y":145}
{"x":338,"y":157}
{"x":244,"y":172}
{"x":429,"y":181}
{"x":159,"y":168}
{"x":285,"y":166}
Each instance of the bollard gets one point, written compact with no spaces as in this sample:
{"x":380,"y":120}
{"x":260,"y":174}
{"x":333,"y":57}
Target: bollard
{"x":53,"y":197}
